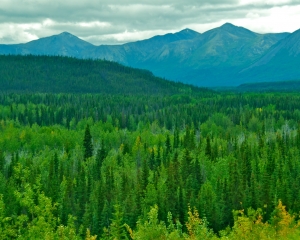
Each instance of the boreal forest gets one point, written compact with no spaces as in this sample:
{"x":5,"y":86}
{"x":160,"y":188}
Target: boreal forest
{"x":95,"y":150}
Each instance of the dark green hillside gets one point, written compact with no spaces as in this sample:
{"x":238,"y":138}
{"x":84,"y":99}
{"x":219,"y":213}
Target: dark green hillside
{"x":283,"y":86}
{"x":69,"y":75}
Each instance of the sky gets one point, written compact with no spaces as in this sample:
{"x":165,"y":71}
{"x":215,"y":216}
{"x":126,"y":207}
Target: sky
{"x":120,"y":21}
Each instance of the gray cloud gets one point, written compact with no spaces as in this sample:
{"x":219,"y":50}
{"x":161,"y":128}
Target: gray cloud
{"x":115,"y":21}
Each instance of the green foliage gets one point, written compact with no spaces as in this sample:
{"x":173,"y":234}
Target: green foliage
{"x":197,"y":228}
{"x":54,"y":74}
{"x":279,"y":86}
{"x":117,"y":227}
{"x":87,"y":143}
{"x":53,"y":183}
{"x":151,"y":228}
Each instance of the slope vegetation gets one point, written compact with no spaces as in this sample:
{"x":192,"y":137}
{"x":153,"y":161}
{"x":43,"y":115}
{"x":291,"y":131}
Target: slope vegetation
{"x":70,"y":75}
{"x":281,"y":86}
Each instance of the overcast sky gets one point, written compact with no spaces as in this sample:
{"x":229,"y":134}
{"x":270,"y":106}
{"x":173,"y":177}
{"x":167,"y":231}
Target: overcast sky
{"x":120,"y":21}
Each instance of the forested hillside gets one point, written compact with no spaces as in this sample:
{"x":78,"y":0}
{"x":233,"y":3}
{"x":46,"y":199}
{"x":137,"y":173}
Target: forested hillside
{"x":70,"y":75}
{"x":283,"y":86}
{"x":202,"y":166}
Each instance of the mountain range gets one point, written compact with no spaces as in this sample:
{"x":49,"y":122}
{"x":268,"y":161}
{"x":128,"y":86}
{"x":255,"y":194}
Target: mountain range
{"x":223,"y":56}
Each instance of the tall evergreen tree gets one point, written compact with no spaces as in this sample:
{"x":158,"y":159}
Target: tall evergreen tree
{"x":208,"y":147}
{"x":2,"y":162}
{"x":176,"y":138}
{"x":117,"y":227}
{"x":168,"y":145}
{"x":87,"y":143}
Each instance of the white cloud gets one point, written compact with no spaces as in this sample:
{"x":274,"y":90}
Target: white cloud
{"x":276,"y":19}
{"x":252,"y":15}
{"x":114,"y":21}
{"x":266,"y":2}
{"x":17,"y":33}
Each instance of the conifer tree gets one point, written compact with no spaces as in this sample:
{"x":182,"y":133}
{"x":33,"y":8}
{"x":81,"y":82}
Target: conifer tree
{"x":145,"y":175}
{"x":117,"y":227}
{"x":176,"y":138}
{"x":100,"y":156}
{"x":152,"y":159}
{"x":185,"y":165}
{"x":2,"y":162}
{"x":181,"y":208}
{"x":208,"y":147}
{"x":87,"y":143}
{"x":11,"y":166}
{"x":56,"y":164}
{"x":168,"y":145}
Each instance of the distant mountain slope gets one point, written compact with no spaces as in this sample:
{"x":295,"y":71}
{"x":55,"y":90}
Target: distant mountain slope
{"x":281,"y":62}
{"x":214,"y":57}
{"x":290,"y":45}
{"x":70,"y":75}
{"x":208,"y":59}
{"x":64,"y":44}
{"x":135,"y":53}
{"x":224,"y":56}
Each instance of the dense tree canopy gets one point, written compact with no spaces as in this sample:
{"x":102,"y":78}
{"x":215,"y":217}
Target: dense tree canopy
{"x":149,"y":167}
{"x":55,"y":74}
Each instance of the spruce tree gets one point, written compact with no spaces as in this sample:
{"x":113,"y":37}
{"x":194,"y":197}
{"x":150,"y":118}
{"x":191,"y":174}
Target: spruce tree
{"x":168,"y":144}
{"x":145,"y":175}
{"x":208,"y":147}
{"x":87,"y":143}
{"x":176,"y":138}
{"x":181,"y":208}
{"x":117,"y":227}
{"x":11,"y":166}
{"x":2,"y":162}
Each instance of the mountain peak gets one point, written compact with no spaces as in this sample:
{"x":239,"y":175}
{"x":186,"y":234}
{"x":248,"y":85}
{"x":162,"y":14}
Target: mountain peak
{"x":187,"y":30}
{"x":187,"y":33}
{"x":66,"y":34}
{"x":228,"y":26}
{"x":231,"y":27}
{"x":64,"y":38}
{"x":236,"y":30}
{"x":63,"y":44}
{"x":67,"y":38}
